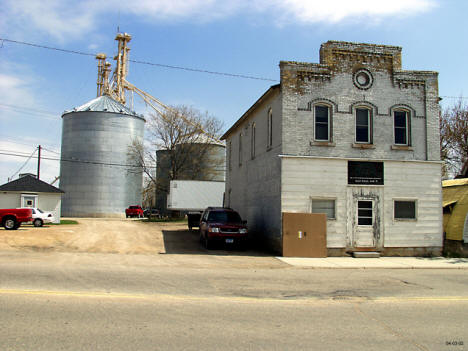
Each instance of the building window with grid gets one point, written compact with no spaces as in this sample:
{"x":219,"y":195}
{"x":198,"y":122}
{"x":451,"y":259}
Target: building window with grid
{"x":363,"y":126}
{"x":326,"y":206}
{"x":240,"y":149}
{"x":229,"y":153}
{"x":270,"y":128}
{"x":252,"y":141}
{"x":322,"y":123}
{"x":401,"y":130}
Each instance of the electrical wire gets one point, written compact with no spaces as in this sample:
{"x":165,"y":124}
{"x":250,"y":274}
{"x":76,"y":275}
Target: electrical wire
{"x":11,"y":153}
{"x":74,"y":160}
{"x":19,"y":170}
{"x":142,"y":62}
{"x":55,"y":152}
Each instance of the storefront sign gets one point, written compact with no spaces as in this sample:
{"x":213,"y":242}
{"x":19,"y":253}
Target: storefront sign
{"x":365,"y":173}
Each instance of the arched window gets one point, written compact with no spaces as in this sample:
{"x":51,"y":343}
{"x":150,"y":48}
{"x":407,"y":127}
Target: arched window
{"x":322,"y":122}
{"x":240,"y":149}
{"x":270,"y":128}
{"x":363,"y":125}
{"x":401,"y":127}
{"x":252,"y":142}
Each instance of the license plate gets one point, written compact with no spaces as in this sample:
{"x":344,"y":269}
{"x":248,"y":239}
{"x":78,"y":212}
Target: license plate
{"x":229,"y":241}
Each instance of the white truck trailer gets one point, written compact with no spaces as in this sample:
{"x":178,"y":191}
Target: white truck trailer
{"x":193,"y":196}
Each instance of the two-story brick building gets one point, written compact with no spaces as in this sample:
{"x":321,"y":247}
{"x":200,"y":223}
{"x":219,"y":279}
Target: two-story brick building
{"x":355,"y":137}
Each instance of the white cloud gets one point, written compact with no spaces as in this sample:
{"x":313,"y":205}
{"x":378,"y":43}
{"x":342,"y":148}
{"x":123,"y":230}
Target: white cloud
{"x":68,"y":20}
{"x":15,"y":89}
{"x":60,"y":19}
{"x":334,"y":11}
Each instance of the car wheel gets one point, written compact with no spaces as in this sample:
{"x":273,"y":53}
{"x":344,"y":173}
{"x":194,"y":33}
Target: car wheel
{"x":38,"y":222}
{"x":10,"y":223}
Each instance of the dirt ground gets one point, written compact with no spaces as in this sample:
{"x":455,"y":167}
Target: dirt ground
{"x":103,"y":235}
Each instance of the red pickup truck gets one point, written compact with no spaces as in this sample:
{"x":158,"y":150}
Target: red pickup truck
{"x":134,"y":211}
{"x":13,"y":217}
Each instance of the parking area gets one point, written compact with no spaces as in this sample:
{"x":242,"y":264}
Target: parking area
{"x":111,"y":235}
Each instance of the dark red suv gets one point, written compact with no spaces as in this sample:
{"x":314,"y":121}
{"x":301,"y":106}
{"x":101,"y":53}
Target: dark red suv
{"x":223,"y":226}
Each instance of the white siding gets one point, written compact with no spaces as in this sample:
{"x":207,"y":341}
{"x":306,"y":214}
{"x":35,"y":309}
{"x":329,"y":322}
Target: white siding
{"x":306,"y":178}
{"x":303,"y":178}
{"x":420,"y":181}
{"x":10,"y":200}
{"x":49,"y":202}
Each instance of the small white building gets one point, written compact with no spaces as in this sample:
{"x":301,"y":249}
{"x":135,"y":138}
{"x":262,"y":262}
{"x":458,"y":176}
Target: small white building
{"x":355,"y":137}
{"x":28,"y":191}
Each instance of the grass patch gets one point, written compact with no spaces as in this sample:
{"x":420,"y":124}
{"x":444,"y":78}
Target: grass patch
{"x":65,"y":221}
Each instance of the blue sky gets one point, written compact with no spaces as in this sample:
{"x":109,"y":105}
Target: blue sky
{"x":239,"y":37}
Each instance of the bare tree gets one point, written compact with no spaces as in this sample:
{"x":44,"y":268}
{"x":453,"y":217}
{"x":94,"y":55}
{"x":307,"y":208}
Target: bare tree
{"x":454,"y":138}
{"x":183,"y":137}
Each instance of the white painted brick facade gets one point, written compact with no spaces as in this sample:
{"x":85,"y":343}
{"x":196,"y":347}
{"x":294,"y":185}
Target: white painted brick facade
{"x":266,"y":185}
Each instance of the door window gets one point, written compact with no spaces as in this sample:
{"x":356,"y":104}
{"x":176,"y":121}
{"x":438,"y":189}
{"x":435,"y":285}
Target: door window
{"x":365,"y":212}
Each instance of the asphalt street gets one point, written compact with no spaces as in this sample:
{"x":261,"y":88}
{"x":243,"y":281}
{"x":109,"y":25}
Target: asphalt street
{"x":70,"y":301}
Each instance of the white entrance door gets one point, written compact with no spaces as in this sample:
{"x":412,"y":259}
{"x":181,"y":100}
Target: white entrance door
{"x":364,"y":229}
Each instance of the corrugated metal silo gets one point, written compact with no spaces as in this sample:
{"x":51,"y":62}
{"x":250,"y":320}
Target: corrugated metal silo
{"x":96,"y":170}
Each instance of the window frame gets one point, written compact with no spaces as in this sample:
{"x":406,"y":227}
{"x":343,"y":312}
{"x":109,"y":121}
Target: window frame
{"x":252,"y":140}
{"x":329,"y":121}
{"x":371,"y":208}
{"x":369,"y":124}
{"x":229,"y":155}
{"x":407,"y":126}
{"x":270,"y":129}
{"x":415,"y":201}
{"x":240,"y":149}
{"x":313,"y":198}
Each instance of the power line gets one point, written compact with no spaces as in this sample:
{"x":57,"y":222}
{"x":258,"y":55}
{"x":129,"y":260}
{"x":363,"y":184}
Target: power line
{"x":143,"y":62}
{"x":454,"y":97}
{"x":14,"y":141}
{"x":55,"y":152}
{"x":48,"y":47}
{"x":19,"y":170}
{"x":26,"y":108}
{"x":76,"y":160}
{"x":203,"y":71}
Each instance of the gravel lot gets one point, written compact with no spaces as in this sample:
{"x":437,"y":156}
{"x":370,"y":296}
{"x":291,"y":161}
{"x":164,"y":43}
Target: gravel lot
{"x":103,"y":235}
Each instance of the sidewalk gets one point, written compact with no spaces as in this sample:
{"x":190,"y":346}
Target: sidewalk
{"x":382,"y":262}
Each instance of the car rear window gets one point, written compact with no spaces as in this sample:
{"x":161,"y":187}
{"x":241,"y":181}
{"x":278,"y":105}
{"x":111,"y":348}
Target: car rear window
{"x":224,"y":217}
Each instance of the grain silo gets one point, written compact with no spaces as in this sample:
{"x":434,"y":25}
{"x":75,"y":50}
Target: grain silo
{"x":97,"y":172}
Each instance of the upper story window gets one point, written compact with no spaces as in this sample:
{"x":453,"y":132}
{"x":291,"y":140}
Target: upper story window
{"x":240,"y":148}
{"x":322,"y":123}
{"x":229,"y":152}
{"x":270,"y":128}
{"x":252,"y":141}
{"x":363,"y":125}
{"x":401,"y":127}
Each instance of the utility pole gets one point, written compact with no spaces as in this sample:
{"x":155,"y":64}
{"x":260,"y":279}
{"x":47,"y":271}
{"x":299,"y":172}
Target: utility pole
{"x":39,"y":162}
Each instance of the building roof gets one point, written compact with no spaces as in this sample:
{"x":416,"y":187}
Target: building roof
{"x":104,"y":103}
{"x":252,"y":108}
{"x":455,"y":182}
{"x":30,"y":183}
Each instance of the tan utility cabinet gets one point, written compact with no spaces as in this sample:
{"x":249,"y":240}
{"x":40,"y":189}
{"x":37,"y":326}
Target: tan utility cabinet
{"x":304,"y":234}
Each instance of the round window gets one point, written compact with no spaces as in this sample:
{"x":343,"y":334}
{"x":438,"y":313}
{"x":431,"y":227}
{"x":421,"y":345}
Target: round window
{"x":363,"y":79}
